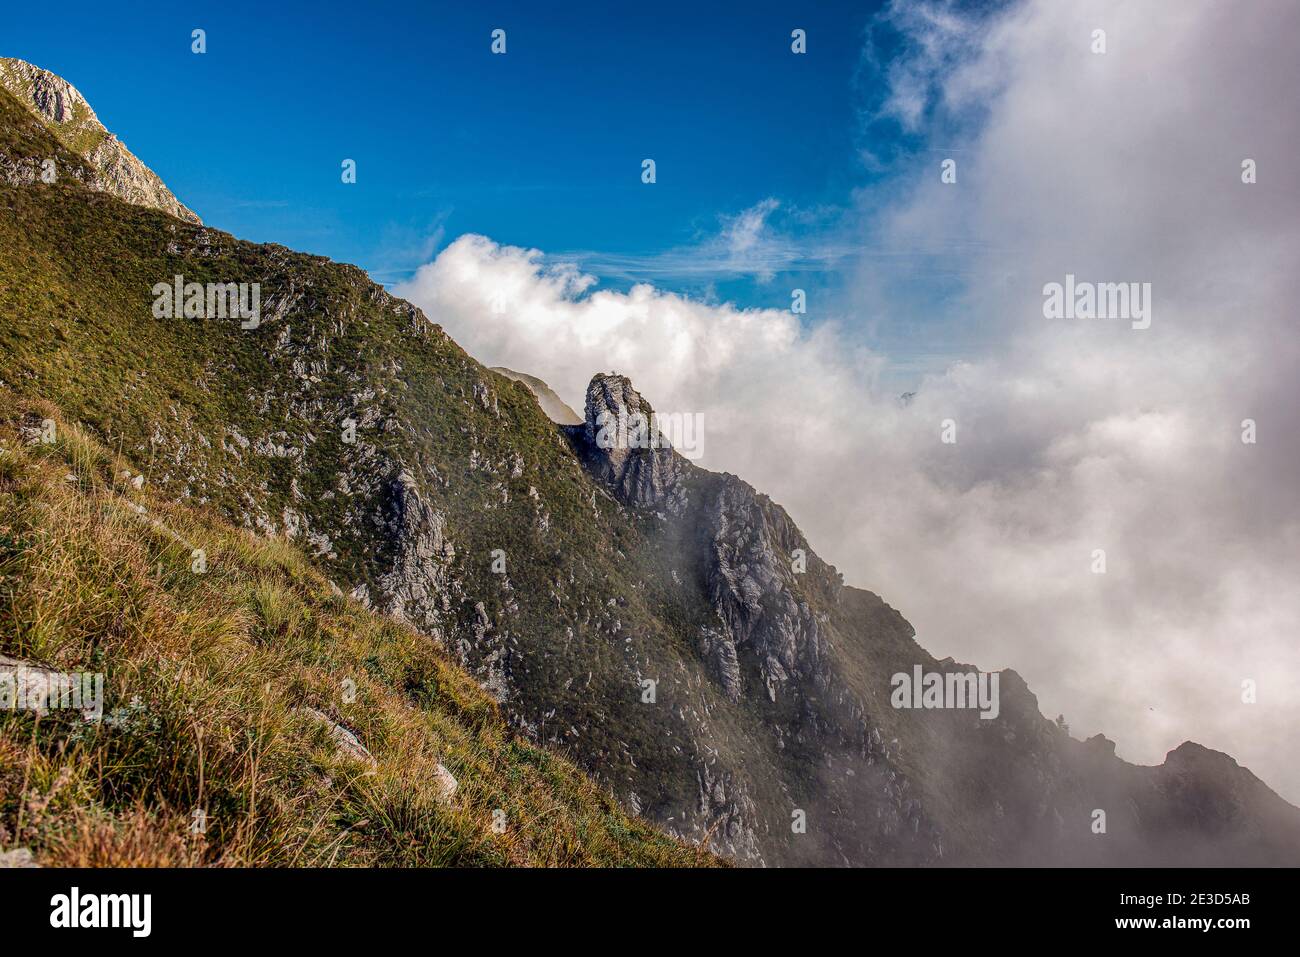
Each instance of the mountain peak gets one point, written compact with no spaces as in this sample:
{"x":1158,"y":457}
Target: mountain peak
{"x":625,"y":448}
{"x":611,"y":397}
{"x":54,"y":99}
{"x":66,"y":113}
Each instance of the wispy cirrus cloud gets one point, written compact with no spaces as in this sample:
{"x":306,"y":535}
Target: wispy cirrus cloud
{"x":759,"y":243}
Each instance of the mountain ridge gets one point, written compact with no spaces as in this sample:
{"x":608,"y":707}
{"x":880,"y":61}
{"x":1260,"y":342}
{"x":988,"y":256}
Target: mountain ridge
{"x":556,"y":409}
{"x":62,"y":109}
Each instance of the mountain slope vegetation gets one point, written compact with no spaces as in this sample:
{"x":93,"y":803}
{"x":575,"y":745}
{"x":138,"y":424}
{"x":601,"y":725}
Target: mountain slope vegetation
{"x":230,"y":684}
{"x":668,"y":628}
{"x":110,"y":166}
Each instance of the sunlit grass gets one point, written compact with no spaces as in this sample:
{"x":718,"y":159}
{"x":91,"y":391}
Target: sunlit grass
{"x":206,"y":678}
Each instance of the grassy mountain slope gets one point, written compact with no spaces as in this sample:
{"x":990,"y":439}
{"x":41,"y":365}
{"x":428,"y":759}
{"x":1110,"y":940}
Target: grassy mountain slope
{"x":207,"y":678}
{"x":251,"y":424}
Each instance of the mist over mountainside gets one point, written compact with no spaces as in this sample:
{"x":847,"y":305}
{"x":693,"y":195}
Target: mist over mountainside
{"x":555,"y":408}
{"x":667,"y":627}
{"x":1115,"y":514}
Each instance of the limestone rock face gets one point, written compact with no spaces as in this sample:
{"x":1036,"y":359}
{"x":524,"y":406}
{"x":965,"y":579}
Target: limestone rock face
{"x":829,"y":770}
{"x":751,"y":583}
{"x":65,"y":112}
{"x":414,"y":585}
{"x":625,"y":450}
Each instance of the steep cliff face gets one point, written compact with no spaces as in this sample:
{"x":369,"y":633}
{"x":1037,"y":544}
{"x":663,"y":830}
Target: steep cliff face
{"x":668,"y":627}
{"x":65,"y":112}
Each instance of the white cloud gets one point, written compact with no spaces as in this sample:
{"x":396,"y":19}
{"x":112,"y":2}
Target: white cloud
{"x":748,"y":240}
{"x":1072,"y":436}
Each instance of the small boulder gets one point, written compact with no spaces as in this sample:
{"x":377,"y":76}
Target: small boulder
{"x":444,"y":785}
{"x":345,"y":740}
{"x":18,"y":857}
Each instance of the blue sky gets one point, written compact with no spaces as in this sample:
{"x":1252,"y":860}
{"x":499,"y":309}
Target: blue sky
{"x":541,"y":147}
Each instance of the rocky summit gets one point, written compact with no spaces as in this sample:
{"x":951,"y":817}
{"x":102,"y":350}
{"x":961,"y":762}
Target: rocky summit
{"x":65,"y":112}
{"x":669,"y":629}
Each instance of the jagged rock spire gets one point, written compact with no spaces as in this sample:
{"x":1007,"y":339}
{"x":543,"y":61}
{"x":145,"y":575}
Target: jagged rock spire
{"x":625,"y":448}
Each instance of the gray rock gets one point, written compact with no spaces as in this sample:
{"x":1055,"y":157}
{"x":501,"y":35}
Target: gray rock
{"x":444,"y":785}
{"x":39,"y":688}
{"x":64,"y":111}
{"x":348,"y":743}
{"x":417,"y":576}
{"x":624,"y":450}
{"x":18,"y":857}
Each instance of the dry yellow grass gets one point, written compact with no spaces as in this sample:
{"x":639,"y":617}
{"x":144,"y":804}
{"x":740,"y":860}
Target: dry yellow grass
{"x":206,"y":675}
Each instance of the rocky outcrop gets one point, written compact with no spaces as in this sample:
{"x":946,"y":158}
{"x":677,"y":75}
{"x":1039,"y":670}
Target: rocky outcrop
{"x":347,"y":743}
{"x":753,"y":547}
{"x":414,"y":588}
{"x":65,"y":112}
{"x":719,"y":650}
{"x":750,"y":582}
{"x":626,"y":450}
{"x":808,"y":662}
{"x":731,"y":813}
